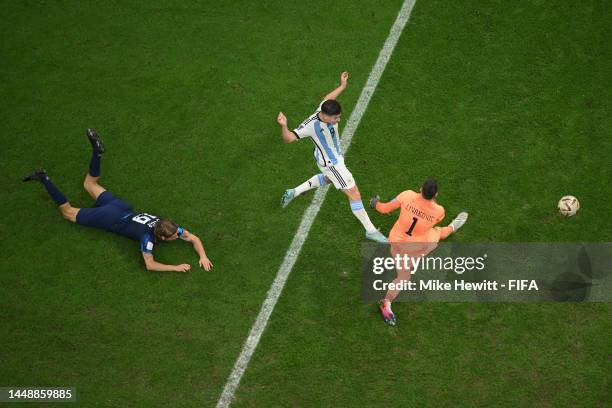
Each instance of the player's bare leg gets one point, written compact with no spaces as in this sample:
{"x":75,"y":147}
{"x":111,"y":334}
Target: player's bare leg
{"x":403,"y":274}
{"x":315,"y":181}
{"x":385,"y":305}
{"x":92,"y":187}
{"x":359,"y":211}
{"x":69,"y":212}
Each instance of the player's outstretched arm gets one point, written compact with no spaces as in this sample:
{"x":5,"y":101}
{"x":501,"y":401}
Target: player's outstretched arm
{"x":154,"y":266}
{"x":384,"y":208}
{"x":288,"y":136}
{"x":343,"y":84}
{"x":199,"y":248}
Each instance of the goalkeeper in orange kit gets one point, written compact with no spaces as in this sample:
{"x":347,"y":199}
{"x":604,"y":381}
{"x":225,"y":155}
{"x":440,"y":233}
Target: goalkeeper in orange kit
{"x":414,"y":233}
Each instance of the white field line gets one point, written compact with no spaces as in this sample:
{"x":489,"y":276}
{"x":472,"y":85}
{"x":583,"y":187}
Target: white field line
{"x":311,"y":212}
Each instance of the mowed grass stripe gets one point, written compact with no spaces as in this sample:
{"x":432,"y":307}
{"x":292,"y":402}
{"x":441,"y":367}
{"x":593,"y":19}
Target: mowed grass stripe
{"x":311,"y":212}
{"x":186,"y":108}
{"x":486,"y":98}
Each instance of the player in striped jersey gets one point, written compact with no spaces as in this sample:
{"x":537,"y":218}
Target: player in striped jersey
{"x":322,"y":129}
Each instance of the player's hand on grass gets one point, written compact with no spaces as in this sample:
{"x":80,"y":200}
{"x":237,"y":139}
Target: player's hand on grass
{"x":374,"y":201}
{"x":282,"y":119}
{"x":182,"y":268}
{"x":206,"y":264}
{"x":344,"y":78}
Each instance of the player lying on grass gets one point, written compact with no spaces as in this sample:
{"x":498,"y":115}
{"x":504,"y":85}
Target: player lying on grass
{"x":414,"y":233}
{"x":115,"y":215}
{"x":322,"y":129}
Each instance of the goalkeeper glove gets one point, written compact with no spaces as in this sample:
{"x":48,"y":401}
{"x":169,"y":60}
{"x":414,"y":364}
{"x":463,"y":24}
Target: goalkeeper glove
{"x":374,"y":201}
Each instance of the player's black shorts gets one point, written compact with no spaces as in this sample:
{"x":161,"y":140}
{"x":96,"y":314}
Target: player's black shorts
{"x":109,"y":210}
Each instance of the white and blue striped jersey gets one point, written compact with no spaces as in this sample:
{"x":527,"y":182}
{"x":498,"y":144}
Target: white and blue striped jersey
{"x":325,"y":137}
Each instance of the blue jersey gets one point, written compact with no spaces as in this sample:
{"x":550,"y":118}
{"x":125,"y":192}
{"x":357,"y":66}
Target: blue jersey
{"x":139,"y":227}
{"x":115,"y":215}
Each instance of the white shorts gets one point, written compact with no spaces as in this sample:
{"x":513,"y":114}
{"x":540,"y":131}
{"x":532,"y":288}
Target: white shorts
{"x":339,"y":175}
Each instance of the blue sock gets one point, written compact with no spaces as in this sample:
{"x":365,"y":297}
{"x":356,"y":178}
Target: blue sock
{"x":94,"y":164}
{"x":55,"y":194}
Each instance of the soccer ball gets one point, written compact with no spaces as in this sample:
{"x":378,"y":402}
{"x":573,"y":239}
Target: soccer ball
{"x":568,"y":205}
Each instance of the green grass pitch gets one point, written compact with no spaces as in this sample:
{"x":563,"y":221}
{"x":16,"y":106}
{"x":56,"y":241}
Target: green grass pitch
{"x":507,"y":104}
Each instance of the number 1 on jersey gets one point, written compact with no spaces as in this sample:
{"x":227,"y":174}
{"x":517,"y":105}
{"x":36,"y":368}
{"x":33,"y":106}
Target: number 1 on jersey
{"x":414,"y":221}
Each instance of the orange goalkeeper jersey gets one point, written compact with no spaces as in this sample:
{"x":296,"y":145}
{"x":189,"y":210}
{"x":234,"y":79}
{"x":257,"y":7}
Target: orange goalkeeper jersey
{"x":417,"y":216}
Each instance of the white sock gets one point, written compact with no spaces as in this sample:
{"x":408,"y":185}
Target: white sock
{"x":315,"y":181}
{"x":362,"y":216}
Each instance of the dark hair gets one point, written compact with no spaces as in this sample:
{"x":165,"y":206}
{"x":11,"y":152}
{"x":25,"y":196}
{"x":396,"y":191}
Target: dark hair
{"x":429,"y":189}
{"x":331,"y":107}
{"x":164,"y":229}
